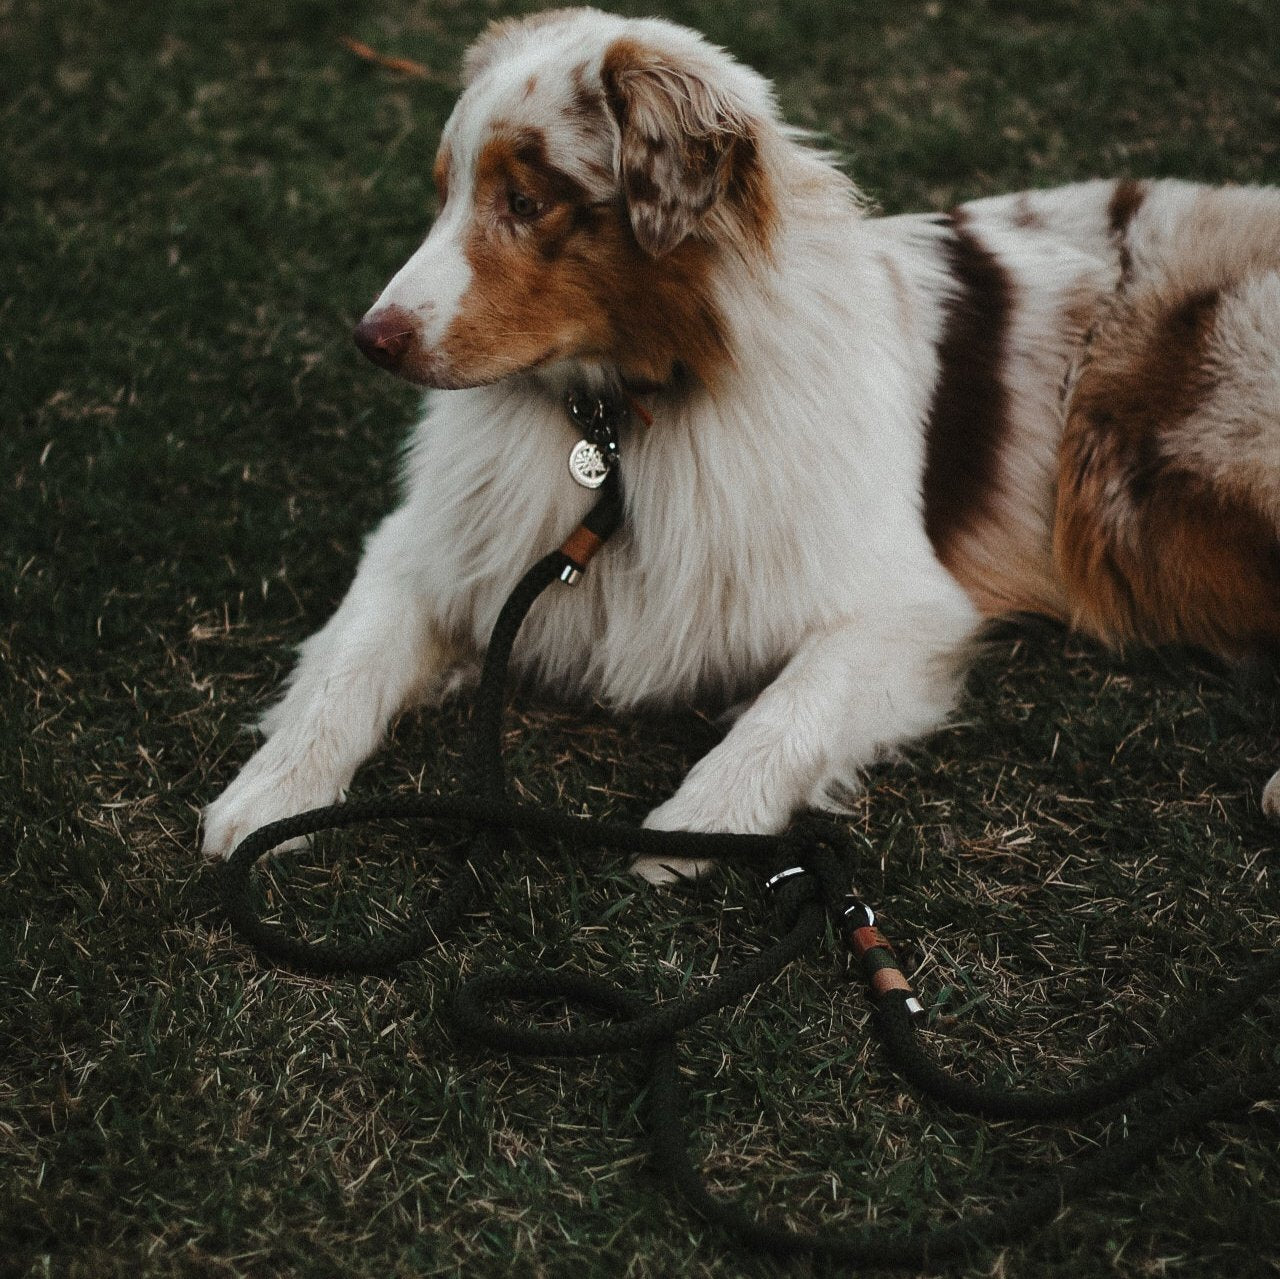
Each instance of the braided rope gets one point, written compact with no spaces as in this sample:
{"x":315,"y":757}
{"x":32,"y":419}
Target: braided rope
{"x":804,"y":902}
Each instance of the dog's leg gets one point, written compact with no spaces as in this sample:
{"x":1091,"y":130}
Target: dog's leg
{"x":377,"y":654}
{"x":847,"y":696}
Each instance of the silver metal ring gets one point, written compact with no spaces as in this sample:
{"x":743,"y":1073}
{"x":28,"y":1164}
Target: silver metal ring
{"x":586,"y":409}
{"x":776,"y":881}
{"x":866,"y":910}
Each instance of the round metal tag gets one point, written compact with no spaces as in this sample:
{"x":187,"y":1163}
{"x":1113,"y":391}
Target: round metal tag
{"x":587,"y":465}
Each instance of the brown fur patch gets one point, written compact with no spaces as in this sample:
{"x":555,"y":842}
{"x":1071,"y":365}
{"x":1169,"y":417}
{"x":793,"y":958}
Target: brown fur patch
{"x":968,"y":418}
{"x":749,"y":192}
{"x":573,"y":281}
{"x":587,"y":103}
{"x":1126,"y":200}
{"x":1025,"y":217}
{"x":587,"y":115}
{"x":1148,"y":547}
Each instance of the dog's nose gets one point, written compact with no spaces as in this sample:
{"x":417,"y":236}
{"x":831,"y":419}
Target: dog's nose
{"x":386,"y":335}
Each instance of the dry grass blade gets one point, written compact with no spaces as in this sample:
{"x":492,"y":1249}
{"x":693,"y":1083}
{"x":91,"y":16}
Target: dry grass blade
{"x":406,"y":66}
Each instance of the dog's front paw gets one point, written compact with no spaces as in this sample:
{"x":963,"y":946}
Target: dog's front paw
{"x":263,"y":793}
{"x":703,"y":810}
{"x":663,"y":869}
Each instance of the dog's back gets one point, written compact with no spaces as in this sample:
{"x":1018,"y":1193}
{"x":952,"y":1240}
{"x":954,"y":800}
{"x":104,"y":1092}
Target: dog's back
{"x":868,"y":433}
{"x":1122,"y":472}
{"x":1168,"y":499}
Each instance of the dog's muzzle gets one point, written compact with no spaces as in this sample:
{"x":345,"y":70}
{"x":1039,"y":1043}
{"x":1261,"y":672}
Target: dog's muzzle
{"x":387,"y":335}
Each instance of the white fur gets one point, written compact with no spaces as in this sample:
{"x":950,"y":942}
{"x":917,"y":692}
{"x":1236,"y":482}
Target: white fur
{"x":773,"y":535}
{"x":773,"y":547}
{"x":433,"y":281}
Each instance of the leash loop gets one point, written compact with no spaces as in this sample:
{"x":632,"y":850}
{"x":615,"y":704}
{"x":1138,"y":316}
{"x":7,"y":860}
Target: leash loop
{"x":809,"y":894}
{"x":646,"y":1024}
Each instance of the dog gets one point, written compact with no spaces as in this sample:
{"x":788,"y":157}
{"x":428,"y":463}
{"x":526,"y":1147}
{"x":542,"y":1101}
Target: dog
{"x":869,"y":435}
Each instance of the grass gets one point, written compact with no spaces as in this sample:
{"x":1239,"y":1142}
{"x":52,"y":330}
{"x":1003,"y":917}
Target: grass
{"x":199,"y":200}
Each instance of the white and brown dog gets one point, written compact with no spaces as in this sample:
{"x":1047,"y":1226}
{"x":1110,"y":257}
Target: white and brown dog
{"x":869,"y":434}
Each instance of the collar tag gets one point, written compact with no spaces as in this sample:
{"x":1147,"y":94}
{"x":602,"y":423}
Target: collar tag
{"x":588,"y":465}
{"x":597,"y":417}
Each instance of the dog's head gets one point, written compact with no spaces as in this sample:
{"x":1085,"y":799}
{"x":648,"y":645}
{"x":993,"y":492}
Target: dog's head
{"x":593,"y":176}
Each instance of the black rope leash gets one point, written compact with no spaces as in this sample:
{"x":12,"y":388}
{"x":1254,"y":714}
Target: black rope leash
{"x":808,"y":891}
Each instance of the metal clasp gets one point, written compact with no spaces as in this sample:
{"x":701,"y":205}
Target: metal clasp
{"x":598,"y":418}
{"x":857,"y":914}
{"x":587,"y":410}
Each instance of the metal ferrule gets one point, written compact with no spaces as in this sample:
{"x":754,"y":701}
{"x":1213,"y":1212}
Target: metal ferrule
{"x":774,"y":882}
{"x":857,"y":914}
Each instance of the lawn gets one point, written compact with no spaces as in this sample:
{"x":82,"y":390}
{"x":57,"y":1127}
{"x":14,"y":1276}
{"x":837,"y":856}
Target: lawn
{"x":197,"y":200}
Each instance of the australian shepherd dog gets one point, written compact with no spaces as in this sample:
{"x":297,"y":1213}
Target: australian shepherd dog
{"x":856,"y":438}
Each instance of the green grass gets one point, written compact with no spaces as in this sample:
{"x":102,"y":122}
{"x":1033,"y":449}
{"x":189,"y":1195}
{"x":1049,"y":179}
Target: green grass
{"x":198,"y":201}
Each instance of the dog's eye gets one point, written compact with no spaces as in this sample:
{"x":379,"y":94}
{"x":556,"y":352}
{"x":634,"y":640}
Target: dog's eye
{"x":523,"y":206}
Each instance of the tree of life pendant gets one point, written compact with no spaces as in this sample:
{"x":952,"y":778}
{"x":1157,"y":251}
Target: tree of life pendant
{"x":587,"y":465}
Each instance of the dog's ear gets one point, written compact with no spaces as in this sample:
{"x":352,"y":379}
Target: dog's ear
{"x":681,"y":137}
